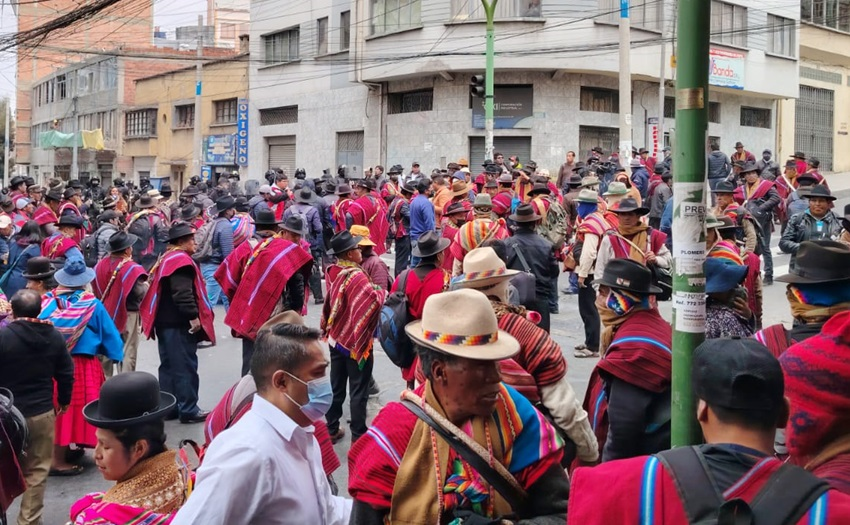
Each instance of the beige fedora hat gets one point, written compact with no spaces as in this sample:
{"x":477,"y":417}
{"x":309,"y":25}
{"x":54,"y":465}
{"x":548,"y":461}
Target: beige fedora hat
{"x":482,"y":268}
{"x":285,"y":317}
{"x":463,"y":324}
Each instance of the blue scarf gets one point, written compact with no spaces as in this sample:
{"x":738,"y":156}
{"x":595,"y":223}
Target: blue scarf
{"x":586,"y":208}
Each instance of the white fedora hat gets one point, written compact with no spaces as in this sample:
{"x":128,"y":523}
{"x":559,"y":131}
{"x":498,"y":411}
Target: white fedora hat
{"x":482,"y":268}
{"x":462,"y":324}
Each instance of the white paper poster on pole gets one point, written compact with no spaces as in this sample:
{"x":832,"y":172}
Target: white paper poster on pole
{"x":689,"y":310}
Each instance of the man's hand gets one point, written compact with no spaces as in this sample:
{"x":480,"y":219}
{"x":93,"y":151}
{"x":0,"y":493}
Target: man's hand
{"x":739,"y":304}
{"x":194,"y":326}
{"x":650,"y":258}
{"x":581,"y":282}
{"x":60,"y":410}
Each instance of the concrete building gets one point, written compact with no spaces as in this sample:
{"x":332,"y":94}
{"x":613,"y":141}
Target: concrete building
{"x":158,"y":134}
{"x":818,"y":122}
{"x":387,"y":81}
{"x":230,"y":19}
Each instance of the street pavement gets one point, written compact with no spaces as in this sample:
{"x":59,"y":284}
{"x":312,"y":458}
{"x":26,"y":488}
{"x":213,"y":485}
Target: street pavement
{"x":219,"y":368}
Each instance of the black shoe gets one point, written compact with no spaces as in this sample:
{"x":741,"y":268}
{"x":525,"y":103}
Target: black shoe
{"x":768,"y":281}
{"x":374,"y":389}
{"x":337,"y":436}
{"x":171,"y":416}
{"x":319,"y":300}
{"x":199,"y":417}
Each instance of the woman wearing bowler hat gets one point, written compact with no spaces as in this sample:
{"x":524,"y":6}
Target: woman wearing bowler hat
{"x":151,"y":481}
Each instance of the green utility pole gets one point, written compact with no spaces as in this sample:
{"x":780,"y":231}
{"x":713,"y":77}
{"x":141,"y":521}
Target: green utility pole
{"x":689,"y":168}
{"x":490,"y":11}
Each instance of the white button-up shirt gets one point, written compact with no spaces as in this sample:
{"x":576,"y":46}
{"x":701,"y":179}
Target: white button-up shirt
{"x":265,"y":470}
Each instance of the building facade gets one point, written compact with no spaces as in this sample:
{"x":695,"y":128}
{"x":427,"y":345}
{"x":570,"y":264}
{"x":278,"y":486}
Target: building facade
{"x":230,"y":19}
{"x":387,"y":81}
{"x":159,"y":129}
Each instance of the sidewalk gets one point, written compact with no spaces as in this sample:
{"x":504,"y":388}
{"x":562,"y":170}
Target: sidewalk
{"x":839,"y":184}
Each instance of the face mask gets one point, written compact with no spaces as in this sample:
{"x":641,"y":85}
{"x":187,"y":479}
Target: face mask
{"x":319,"y":397}
{"x":766,"y":157}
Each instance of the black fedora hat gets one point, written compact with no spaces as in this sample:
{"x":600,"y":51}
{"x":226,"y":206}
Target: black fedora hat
{"x":818,"y":191}
{"x":540,"y":187}
{"x":145,"y":201}
{"x":17,"y":179}
{"x":343,"y":242}
{"x":525,"y":213}
{"x":128,"y":399}
{"x":70,"y":220}
{"x":53,"y":195}
{"x":725,"y":186}
{"x":294,"y":223}
{"x":305,"y":196}
{"x":120,"y":241}
{"x":225,"y":203}
{"x":343,"y":189}
{"x":39,"y":268}
{"x":847,"y":212}
{"x":179,"y":230}
{"x":629,"y":205}
{"x":189,"y":212}
{"x":799,"y":155}
{"x":242,"y":204}
{"x":626,"y":274}
{"x":191,"y":191}
{"x":819,"y":262}
{"x":430,"y":243}
{"x":266,"y":218}
{"x":455,"y":208}
{"x":808,"y":177}
{"x":749,"y":167}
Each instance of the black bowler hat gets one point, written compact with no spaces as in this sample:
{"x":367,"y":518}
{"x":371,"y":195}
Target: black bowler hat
{"x":266,"y":218}
{"x":430,"y":243}
{"x":179,"y":230}
{"x":294,"y":224}
{"x":128,"y":399}
{"x":737,"y":374}
{"x":725,"y":186}
{"x":343,"y":242}
{"x":120,"y":241}
{"x":819,"y":262}
{"x":70,"y":220}
{"x":39,"y":268}
{"x":189,"y":212}
{"x":819,"y":191}
{"x":225,"y":203}
{"x":629,"y":205}
{"x":525,"y":213}
{"x":625,"y":274}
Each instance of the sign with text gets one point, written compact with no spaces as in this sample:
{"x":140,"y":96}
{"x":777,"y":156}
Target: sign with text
{"x":726,"y":68}
{"x":242,"y":132}
{"x":513,"y":108}
{"x":218,"y":149}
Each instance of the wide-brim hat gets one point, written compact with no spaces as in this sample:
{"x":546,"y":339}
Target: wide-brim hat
{"x":120,"y":241}
{"x":191,"y":191}
{"x":712,"y":222}
{"x":574,"y":180}
{"x":70,"y":220}
{"x":807,"y":177}
{"x":819,"y":262}
{"x":588,"y":196}
{"x":430,"y":243}
{"x":179,"y":230}
{"x":462,"y":323}
{"x":482,"y":200}
{"x":455,"y":208}
{"x":589,"y":181}
{"x":482,"y":268}
{"x":506,"y":178}
{"x":305,"y":196}
{"x":358,"y":230}
{"x":39,"y":268}
{"x":343,"y":242}
{"x":540,"y":188}
{"x":285,"y":317}
{"x":69,"y":193}
{"x":725,"y":186}
{"x":818,"y":191}
{"x":616,"y":188}
{"x":53,"y":195}
{"x":749,"y":167}
{"x":266,"y":218}
{"x":847,"y":212}
{"x":799,"y":155}
{"x":225,"y":203}
{"x":625,"y":274}
{"x":189,"y":212}
{"x":721,"y":276}
{"x":145,"y":201}
{"x":129,"y":399}
{"x":17,"y":179}
{"x":343,"y":189}
{"x":630,"y":205}
{"x":459,"y":189}
{"x":294,"y":223}
{"x":525,"y":213}
{"x":74,"y":273}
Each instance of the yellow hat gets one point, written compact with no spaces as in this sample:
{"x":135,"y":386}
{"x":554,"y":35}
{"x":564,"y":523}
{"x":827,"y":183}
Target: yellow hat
{"x":358,"y":230}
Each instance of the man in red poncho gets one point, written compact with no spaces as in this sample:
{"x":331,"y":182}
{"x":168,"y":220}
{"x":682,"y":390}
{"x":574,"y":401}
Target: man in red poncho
{"x":370,"y":211}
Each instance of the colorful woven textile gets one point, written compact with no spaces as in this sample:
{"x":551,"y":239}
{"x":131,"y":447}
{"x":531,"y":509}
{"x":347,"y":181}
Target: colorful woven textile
{"x":243,"y":228}
{"x":114,"y":279}
{"x":71,"y":427}
{"x":69,"y":311}
{"x":371,"y":211}
{"x":56,"y":246}
{"x":43,"y":215}
{"x":472,"y":234}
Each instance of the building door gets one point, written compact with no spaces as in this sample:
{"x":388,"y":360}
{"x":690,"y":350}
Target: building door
{"x":591,"y":136}
{"x":349,"y":151}
{"x":282,"y":153}
{"x":507,"y":146}
{"x":815,"y":124}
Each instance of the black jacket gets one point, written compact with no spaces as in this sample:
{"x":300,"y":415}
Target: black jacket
{"x":177,"y":305}
{"x":32,"y":356}
{"x":539,"y":254}
{"x":804,"y":227}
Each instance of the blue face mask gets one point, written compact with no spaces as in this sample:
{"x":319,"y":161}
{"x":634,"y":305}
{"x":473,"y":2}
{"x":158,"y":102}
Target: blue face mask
{"x":319,"y":397}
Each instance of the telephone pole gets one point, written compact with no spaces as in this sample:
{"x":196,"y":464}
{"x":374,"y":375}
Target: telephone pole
{"x":662,"y":78}
{"x":489,"y":82}
{"x":197,"y":154}
{"x":689,"y":212}
{"x":6,"y":177}
{"x":75,"y":171}
{"x":625,"y":85}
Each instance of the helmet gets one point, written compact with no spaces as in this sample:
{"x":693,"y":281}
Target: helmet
{"x":300,"y":173}
{"x":14,"y":425}
{"x":342,"y":170}
{"x":194,"y":180}
{"x":270,"y":175}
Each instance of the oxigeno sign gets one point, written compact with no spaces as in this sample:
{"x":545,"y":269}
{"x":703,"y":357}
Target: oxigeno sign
{"x":242,"y":132}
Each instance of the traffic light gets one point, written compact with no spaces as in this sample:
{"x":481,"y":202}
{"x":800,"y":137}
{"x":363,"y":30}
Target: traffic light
{"x":476,"y":86}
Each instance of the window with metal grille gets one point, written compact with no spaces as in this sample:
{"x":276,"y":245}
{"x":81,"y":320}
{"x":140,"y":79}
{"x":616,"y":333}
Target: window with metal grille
{"x":140,"y":123}
{"x":728,"y":24}
{"x":834,"y":14}
{"x":322,"y":36}
{"x":344,"y":30}
{"x":349,"y":141}
{"x":781,"y":36}
{"x":470,"y":10}
{"x":821,"y":75}
{"x":669,"y":107}
{"x":225,"y":111}
{"x":755,"y":117}
{"x":599,"y":99}
{"x":714,"y":112}
{"x":591,"y":136}
{"x":281,"y":115}
{"x":410,"y":102}
{"x":389,"y":16}
{"x":184,"y":116}
{"x":645,"y":15}
{"x":282,"y":46}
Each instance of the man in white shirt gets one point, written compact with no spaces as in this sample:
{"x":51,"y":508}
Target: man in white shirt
{"x":267,"y":468}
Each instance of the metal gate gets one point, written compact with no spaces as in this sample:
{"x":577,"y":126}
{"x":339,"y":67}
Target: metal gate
{"x":815,"y":122}
{"x":507,"y":146}
{"x":591,"y":136}
{"x":282,"y":154}
{"x":349,"y":151}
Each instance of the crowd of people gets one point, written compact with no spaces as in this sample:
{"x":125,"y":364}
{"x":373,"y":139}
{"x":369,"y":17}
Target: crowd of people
{"x":489,"y":427}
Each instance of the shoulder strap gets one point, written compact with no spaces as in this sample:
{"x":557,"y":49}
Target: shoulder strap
{"x":402,"y":283}
{"x":522,"y":259}
{"x":693,"y":482}
{"x":788,"y":495}
{"x":496,"y":480}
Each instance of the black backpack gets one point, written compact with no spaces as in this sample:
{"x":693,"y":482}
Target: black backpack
{"x":786,"y":497}
{"x":390,"y":331}
{"x":88,"y":246}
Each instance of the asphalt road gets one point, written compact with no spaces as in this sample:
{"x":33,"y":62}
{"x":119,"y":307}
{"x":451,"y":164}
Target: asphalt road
{"x":219,"y":369}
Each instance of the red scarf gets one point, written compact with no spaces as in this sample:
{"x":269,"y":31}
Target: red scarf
{"x":372,"y":213}
{"x":114,"y":279}
{"x":56,"y":246}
